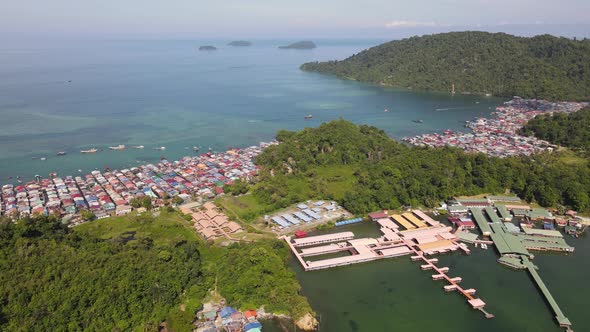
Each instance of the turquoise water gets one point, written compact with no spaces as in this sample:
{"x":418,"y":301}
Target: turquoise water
{"x":166,"y":93}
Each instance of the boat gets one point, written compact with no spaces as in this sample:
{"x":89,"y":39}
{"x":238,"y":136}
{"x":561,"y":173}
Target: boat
{"x":43,"y":158}
{"x":309,"y":116}
{"x":93,"y":150}
{"x":61,"y":153}
{"x":160,"y":148}
{"x":386,"y":110}
{"x":484,"y":246}
{"x":118,"y":147}
{"x":35,"y":158}
{"x":137,"y":147}
{"x":196,"y":148}
{"x":418,"y":121}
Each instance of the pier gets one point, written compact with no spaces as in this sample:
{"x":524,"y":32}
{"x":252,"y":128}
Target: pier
{"x":418,"y":240}
{"x":562,"y":320}
{"x":513,"y":252}
{"x":453,"y":285}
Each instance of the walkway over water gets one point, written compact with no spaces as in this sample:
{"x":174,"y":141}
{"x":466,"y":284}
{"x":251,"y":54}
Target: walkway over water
{"x":561,"y":319}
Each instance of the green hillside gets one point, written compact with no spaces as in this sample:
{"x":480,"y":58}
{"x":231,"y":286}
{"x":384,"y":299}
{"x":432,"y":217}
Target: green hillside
{"x":570,"y":130}
{"x":543,"y":67}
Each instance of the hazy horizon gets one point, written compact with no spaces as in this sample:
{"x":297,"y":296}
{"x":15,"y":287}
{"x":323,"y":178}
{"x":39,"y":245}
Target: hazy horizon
{"x":261,"y":19}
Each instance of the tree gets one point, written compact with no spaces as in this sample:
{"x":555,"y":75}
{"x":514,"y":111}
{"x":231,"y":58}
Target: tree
{"x":146,"y":202}
{"x":87,"y":215}
{"x":177,"y":200}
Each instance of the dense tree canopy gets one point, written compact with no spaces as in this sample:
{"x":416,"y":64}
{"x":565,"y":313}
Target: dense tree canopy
{"x":477,"y":62}
{"x":389,"y":174}
{"x":256,"y":274}
{"x":132,"y":273}
{"x":571,"y":130}
{"x":52,"y":279}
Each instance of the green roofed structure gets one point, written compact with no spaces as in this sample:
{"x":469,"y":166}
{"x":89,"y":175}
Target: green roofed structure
{"x":506,"y":216}
{"x":492,"y":214}
{"x":559,"y":316}
{"x":481,"y":221}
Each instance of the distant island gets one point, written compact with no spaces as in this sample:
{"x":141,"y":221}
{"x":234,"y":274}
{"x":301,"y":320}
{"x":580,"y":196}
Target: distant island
{"x":207,"y":48}
{"x":300,"y":45}
{"x":543,"y":67}
{"x":241,"y":43}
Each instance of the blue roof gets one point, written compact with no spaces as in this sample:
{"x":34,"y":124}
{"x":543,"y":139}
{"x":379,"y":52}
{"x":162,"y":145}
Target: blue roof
{"x":227,"y":311}
{"x":311,"y":214}
{"x":302,"y":216}
{"x":291,"y":219}
{"x":280,"y":221}
{"x":252,"y":325}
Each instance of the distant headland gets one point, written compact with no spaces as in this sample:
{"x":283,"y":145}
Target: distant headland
{"x":207,"y":48}
{"x":240,"y":43}
{"x":300,"y":45}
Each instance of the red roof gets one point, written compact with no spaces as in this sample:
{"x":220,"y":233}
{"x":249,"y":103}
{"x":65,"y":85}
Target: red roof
{"x":300,"y":234}
{"x":378,"y":215}
{"x":250,"y":313}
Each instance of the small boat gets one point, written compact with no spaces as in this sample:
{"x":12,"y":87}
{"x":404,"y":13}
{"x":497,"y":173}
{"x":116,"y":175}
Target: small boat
{"x":386,"y":110}
{"x":93,"y":150}
{"x":196,"y":148}
{"x":418,"y":121}
{"x":484,"y":246}
{"x":137,"y":147}
{"x":118,"y":147}
{"x":35,"y":158}
{"x":160,"y":148}
{"x":61,"y":153}
{"x":309,"y":116}
{"x":42,"y":158}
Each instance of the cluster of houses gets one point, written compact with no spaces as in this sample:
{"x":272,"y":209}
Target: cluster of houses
{"x":214,"y":318}
{"x":109,"y":193}
{"x":498,"y":136}
{"x":509,"y":209}
{"x":210,"y":222}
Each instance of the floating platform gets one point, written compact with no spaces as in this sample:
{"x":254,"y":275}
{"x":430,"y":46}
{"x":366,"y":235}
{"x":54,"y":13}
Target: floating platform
{"x":450,"y":288}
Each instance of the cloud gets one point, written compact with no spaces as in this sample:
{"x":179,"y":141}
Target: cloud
{"x":410,"y":24}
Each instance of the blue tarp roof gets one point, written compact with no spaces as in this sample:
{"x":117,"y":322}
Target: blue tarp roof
{"x":227,"y":311}
{"x":252,"y":325}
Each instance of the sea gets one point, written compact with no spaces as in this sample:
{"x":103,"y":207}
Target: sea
{"x":69,"y":96}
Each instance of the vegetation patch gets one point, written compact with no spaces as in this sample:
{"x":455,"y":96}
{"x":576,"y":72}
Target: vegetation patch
{"x":543,"y":67}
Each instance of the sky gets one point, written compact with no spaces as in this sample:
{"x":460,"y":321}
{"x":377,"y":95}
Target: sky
{"x":287,"y":18}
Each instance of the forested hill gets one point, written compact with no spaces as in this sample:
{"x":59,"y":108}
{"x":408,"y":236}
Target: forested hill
{"x":385,"y":174}
{"x":544,"y":67}
{"x":571,"y":130}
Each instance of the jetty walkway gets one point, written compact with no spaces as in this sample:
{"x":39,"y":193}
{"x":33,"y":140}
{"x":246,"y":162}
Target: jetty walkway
{"x":475,"y":303}
{"x":559,"y":316}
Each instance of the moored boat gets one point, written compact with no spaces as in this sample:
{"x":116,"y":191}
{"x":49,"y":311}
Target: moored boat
{"x":61,"y":153}
{"x":309,"y":116}
{"x":93,"y":150}
{"x":118,"y":147}
{"x":137,"y":147}
{"x":160,"y":148}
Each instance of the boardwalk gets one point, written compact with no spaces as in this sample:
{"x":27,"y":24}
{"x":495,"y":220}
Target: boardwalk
{"x":475,"y":303}
{"x":559,"y":316}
